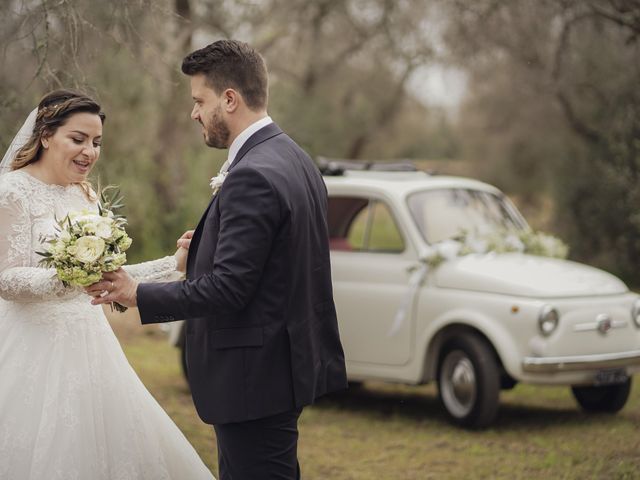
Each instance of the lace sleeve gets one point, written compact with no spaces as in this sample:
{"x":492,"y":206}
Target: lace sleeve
{"x":20,"y":282}
{"x":161,"y":270}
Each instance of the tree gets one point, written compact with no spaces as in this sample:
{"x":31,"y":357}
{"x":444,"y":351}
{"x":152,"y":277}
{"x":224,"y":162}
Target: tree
{"x":566,"y":73}
{"x":340,"y":71}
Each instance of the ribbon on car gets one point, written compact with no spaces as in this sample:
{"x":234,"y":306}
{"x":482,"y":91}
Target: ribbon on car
{"x":416,"y":279}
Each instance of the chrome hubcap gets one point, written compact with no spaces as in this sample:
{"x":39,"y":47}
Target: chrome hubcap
{"x":458,"y":384}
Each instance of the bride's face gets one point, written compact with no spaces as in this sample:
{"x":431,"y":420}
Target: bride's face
{"x":73,"y":150}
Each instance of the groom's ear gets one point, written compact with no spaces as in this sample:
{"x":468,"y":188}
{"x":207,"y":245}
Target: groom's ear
{"x":231,"y":100}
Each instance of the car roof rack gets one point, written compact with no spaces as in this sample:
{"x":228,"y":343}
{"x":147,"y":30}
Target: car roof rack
{"x":337,"y":167}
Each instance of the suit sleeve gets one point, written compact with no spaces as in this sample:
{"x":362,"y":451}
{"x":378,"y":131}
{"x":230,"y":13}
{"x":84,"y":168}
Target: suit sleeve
{"x":249,"y":219}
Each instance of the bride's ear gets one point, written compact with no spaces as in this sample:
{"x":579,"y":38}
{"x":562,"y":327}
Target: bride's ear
{"x":44,"y":139}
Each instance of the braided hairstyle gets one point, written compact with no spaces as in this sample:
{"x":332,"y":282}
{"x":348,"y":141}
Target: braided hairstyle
{"x":54,"y":110}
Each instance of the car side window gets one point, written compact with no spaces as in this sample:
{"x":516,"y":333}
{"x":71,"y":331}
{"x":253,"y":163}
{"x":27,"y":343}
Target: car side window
{"x":384,"y":235}
{"x":362,"y":224}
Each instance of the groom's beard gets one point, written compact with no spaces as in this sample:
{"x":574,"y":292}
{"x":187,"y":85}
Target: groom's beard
{"x":217,"y":132}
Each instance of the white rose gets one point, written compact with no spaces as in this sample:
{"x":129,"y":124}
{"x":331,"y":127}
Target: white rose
{"x":90,"y":228}
{"x":104,"y":230}
{"x":65,"y":236}
{"x":90,"y":249}
{"x":86,"y":217}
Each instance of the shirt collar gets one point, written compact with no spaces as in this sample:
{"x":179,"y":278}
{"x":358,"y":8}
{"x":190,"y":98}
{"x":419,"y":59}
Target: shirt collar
{"x":237,"y":143}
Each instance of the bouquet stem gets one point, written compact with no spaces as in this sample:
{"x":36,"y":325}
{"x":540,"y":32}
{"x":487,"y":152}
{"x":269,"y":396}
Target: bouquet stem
{"x":117,"y":307}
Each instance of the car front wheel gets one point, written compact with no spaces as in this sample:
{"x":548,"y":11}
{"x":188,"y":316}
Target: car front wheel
{"x":606,"y":398}
{"x":469,"y":381}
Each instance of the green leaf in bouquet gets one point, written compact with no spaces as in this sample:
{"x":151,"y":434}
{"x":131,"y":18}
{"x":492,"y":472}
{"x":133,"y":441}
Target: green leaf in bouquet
{"x":110,"y":200}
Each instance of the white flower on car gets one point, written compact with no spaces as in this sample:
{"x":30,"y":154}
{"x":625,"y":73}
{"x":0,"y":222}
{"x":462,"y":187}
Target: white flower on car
{"x":449,"y":249}
{"x":514,"y":243}
{"x":477,"y":245}
{"x":90,"y":248}
{"x":526,"y":241}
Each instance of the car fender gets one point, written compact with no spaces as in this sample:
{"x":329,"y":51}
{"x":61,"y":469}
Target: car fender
{"x":499,"y":338}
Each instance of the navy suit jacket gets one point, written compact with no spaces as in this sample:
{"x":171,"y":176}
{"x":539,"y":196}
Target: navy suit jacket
{"x":261,"y":330}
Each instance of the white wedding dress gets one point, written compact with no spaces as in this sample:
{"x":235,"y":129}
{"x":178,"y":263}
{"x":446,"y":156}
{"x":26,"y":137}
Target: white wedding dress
{"x":71,"y":406}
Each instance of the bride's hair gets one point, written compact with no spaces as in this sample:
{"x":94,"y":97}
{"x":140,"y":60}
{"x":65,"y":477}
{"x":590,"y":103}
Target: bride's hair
{"x":54,"y":110}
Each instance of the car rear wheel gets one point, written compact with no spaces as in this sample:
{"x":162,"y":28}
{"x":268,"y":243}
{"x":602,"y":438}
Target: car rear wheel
{"x":604,"y":399}
{"x":469,"y":381}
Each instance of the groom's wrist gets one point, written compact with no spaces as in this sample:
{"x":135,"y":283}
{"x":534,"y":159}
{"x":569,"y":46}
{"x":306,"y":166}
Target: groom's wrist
{"x":134,"y":294}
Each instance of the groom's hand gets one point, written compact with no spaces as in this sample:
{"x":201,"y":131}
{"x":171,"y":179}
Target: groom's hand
{"x":185,"y":240}
{"x":119,"y":286}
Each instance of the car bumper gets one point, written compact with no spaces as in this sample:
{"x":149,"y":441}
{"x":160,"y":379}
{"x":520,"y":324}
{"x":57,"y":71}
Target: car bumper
{"x":581,"y":362}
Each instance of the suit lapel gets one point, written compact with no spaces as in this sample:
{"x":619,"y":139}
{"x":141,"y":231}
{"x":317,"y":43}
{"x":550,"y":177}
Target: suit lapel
{"x":257,"y":138}
{"x":195,"y":240}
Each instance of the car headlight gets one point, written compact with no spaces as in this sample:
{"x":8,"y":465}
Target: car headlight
{"x":548,"y":320}
{"x":635,"y":312}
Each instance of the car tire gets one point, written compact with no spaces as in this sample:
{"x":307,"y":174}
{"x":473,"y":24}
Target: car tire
{"x":603,"y":399}
{"x":469,"y":381}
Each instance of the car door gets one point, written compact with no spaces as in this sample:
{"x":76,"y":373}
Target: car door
{"x":371,"y":266}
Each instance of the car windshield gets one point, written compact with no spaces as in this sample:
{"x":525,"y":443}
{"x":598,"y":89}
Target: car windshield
{"x":445,"y":214}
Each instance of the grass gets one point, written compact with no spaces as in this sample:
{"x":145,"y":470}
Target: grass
{"x":387,"y":431}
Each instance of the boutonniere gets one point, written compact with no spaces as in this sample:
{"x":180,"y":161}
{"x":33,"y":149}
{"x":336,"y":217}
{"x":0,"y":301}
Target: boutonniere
{"x":217,"y":181}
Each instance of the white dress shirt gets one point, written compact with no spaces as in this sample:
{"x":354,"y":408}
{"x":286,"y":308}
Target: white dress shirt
{"x":240,"y":140}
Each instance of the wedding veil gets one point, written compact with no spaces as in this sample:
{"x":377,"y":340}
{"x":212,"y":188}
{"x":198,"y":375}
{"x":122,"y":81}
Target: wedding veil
{"x":18,"y":141}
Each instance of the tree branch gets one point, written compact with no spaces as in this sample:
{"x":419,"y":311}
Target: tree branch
{"x":589,"y":134}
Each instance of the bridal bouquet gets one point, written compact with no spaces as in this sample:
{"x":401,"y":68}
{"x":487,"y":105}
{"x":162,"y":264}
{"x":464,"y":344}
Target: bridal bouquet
{"x":87,"y":244}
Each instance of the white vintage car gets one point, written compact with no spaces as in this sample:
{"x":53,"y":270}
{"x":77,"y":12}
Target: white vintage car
{"x":476,"y":323}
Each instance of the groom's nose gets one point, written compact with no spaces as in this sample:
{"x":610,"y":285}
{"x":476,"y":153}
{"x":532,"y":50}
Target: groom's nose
{"x":194,"y":113}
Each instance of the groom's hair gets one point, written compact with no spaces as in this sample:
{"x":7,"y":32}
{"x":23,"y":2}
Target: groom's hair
{"x":232,"y":64}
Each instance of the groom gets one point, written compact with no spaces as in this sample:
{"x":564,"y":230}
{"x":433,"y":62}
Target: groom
{"x":262,"y":337}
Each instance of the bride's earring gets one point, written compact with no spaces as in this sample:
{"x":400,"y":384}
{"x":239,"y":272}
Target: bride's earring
{"x":45,"y":144}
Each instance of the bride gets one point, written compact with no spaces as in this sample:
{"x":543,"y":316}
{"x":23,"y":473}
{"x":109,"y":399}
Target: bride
{"x":71,"y":406}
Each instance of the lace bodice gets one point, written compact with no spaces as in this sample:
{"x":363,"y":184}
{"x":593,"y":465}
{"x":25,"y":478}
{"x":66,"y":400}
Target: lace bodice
{"x":28,"y":212}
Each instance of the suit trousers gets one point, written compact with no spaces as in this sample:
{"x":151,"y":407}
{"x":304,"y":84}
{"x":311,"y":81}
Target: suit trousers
{"x":262,"y":449}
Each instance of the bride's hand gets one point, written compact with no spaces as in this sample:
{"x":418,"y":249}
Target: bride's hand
{"x":181,"y":259}
{"x":120,"y":288}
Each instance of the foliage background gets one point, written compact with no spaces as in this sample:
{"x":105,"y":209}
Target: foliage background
{"x":551,"y":112}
